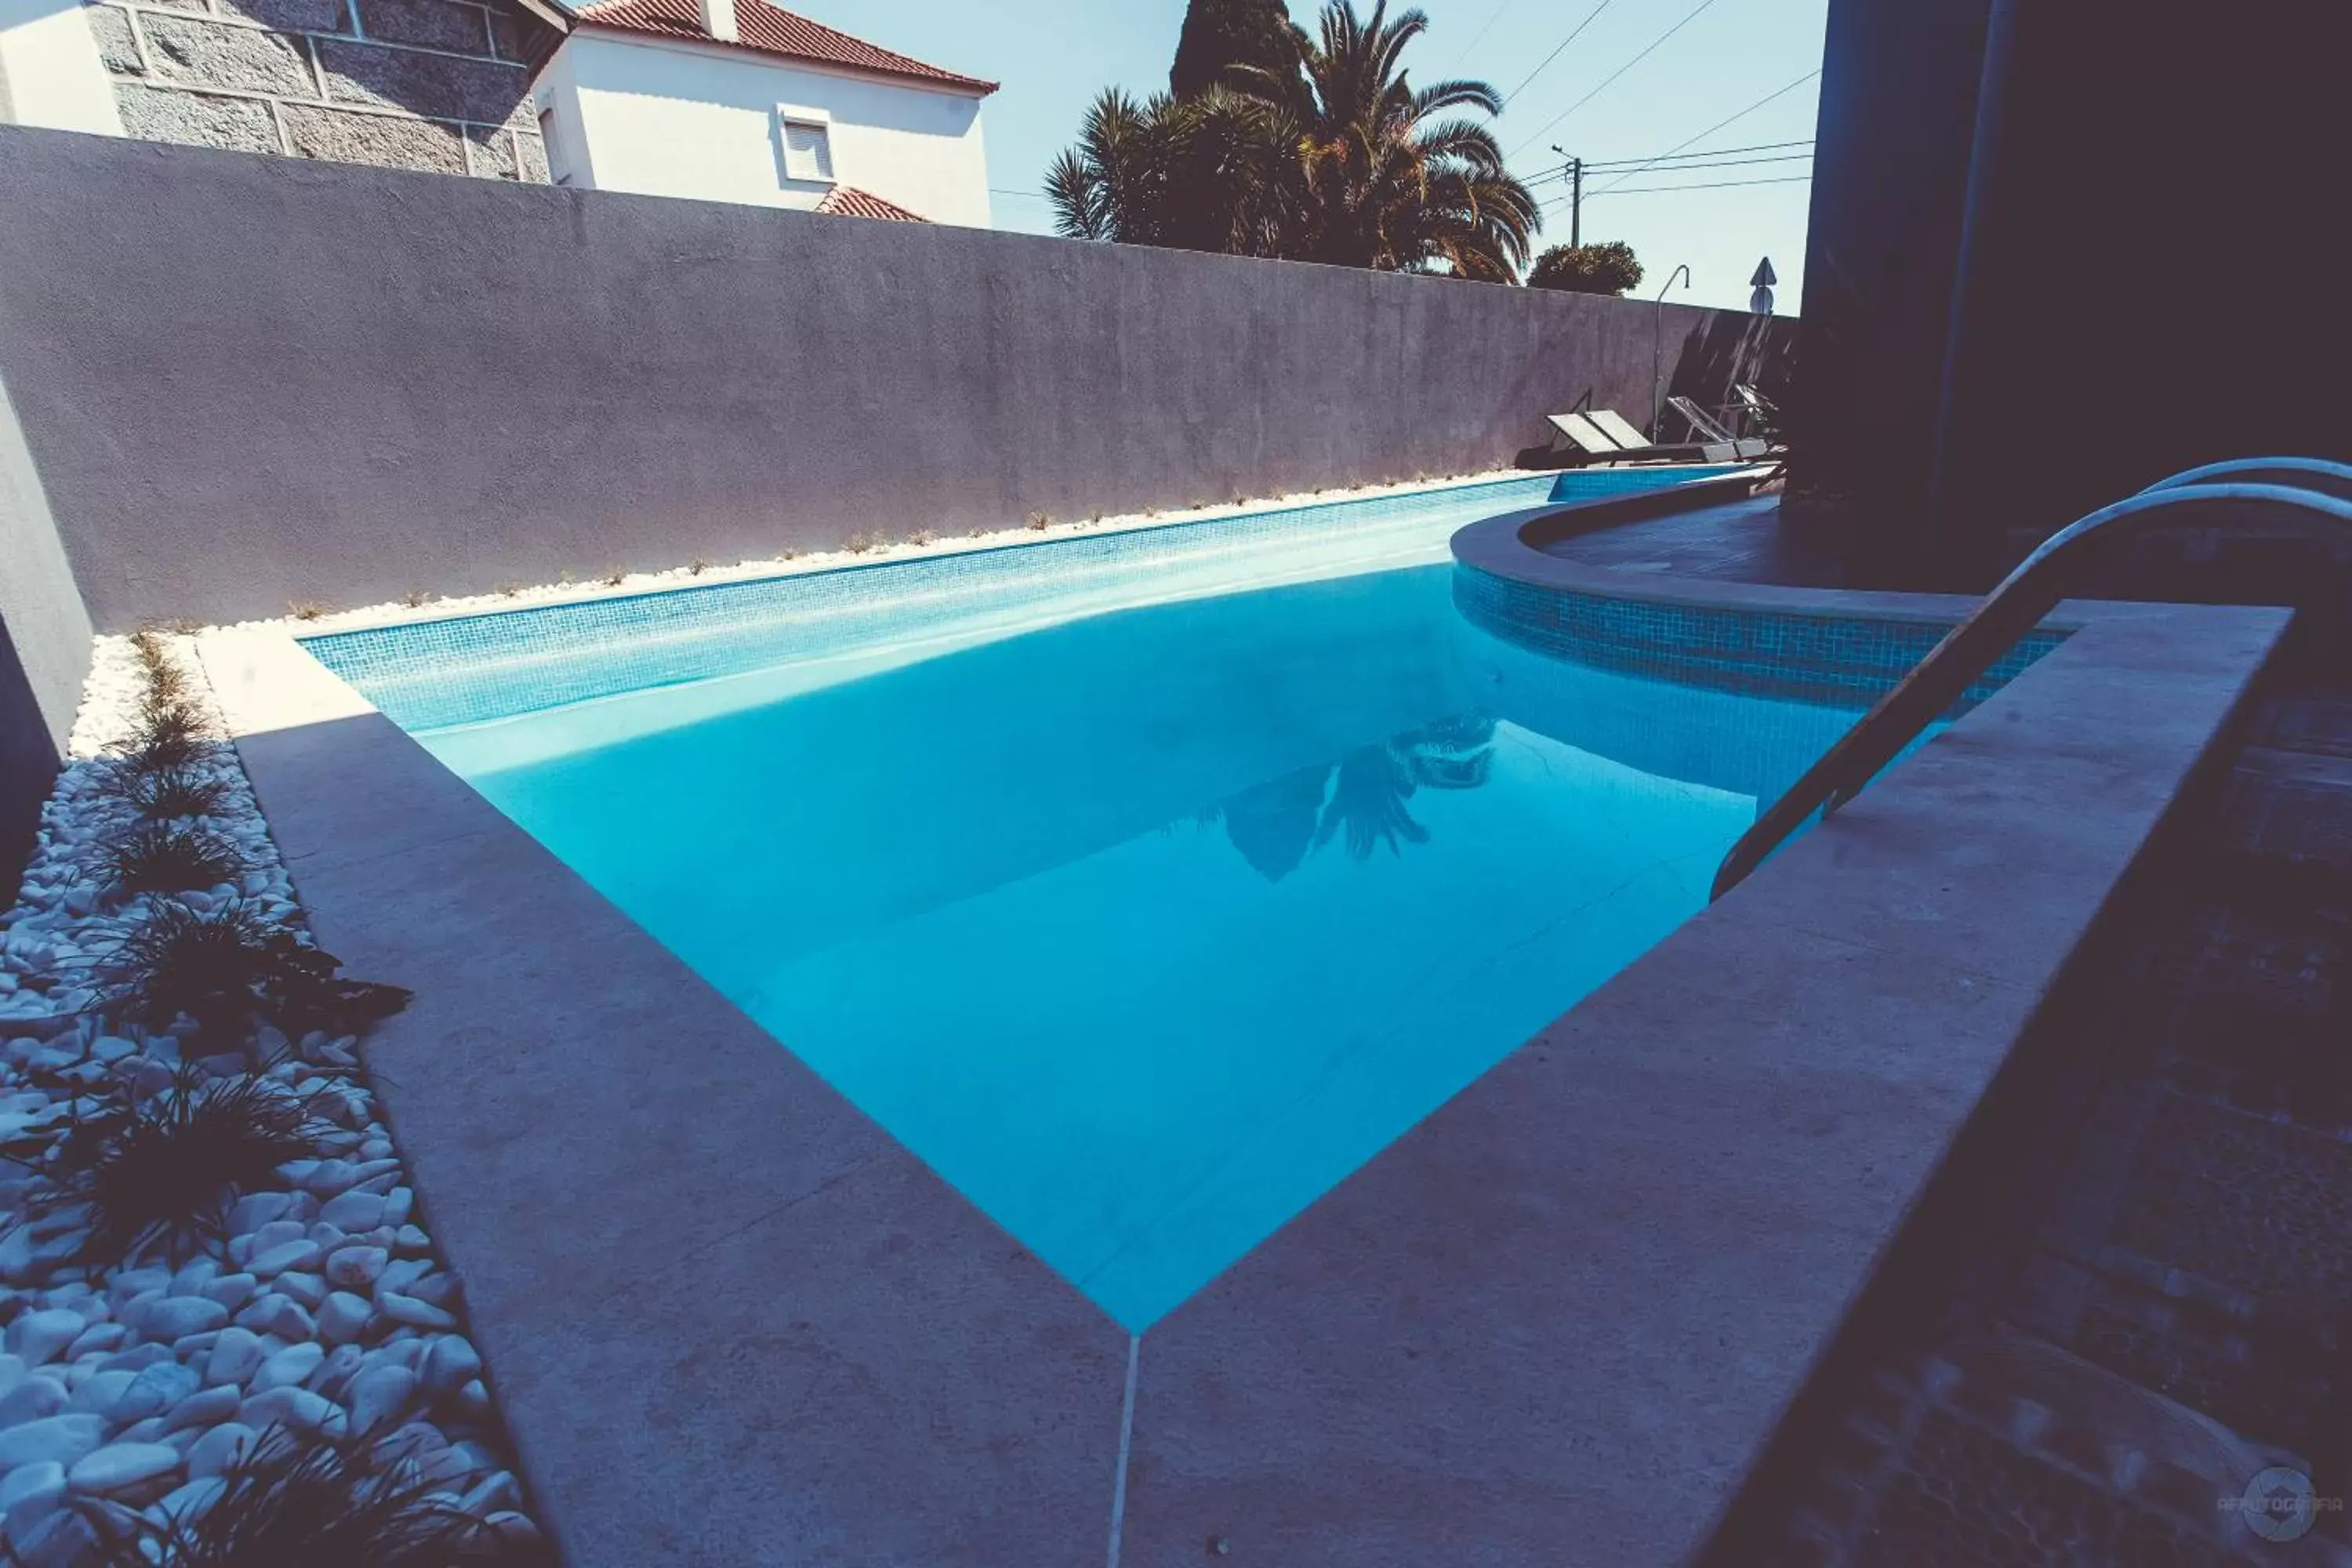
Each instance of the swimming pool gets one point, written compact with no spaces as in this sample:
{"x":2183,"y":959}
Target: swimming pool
{"x":1144,"y":889}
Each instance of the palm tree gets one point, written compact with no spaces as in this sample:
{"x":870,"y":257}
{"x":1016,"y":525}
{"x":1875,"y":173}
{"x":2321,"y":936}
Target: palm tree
{"x":1389,"y":184}
{"x":1339,"y":161}
{"x":1203,"y":172}
{"x":1361,"y":801}
{"x":1372,"y":784}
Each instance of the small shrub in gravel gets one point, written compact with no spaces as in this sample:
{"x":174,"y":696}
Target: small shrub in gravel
{"x":229,"y":970}
{"x":166,"y":681}
{"x":303,"y":1501}
{"x":162,"y":1173}
{"x":179,"y":1070}
{"x":168,"y":795}
{"x":169,"y":857}
{"x":165,"y":733}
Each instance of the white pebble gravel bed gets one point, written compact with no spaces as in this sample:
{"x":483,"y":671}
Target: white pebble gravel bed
{"x":325,"y":1311}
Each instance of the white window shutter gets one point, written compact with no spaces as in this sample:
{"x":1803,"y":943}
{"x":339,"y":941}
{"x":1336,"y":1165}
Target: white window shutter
{"x":808,"y":151}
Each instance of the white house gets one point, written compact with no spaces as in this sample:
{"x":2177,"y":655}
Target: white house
{"x":736,"y":100}
{"x":51,"y":70}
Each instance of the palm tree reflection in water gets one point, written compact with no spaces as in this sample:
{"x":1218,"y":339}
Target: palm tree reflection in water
{"x":1362,"y":799}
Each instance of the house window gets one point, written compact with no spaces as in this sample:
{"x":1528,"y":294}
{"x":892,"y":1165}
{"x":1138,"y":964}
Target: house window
{"x":808,"y":148}
{"x":556,"y":171}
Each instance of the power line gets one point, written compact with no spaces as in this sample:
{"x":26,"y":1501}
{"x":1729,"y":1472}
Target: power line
{"x":1666,"y":162}
{"x":1776,"y":93}
{"x":1688,"y":167}
{"x":1703,"y":152}
{"x":1692,"y":162}
{"x":1545,"y":128}
{"x":1713,"y":186}
{"x":1710,"y":185}
{"x":1492,"y":17}
{"x":1562,"y":45}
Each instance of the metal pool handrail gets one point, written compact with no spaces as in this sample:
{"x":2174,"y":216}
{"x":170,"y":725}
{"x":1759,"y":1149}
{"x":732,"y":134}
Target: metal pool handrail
{"x":2308,"y":486}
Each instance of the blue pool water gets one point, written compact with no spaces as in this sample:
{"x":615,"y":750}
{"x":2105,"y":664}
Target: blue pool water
{"x":1143,"y":926}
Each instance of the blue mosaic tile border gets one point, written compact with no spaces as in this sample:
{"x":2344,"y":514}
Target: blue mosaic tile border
{"x":1829,"y":661}
{"x":429,"y":674}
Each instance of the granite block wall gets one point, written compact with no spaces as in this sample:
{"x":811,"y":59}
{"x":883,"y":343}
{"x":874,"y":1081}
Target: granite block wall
{"x":436,"y":85}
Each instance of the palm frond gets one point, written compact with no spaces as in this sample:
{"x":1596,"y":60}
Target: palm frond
{"x":1368,"y":803}
{"x":1456,"y":94}
{"x":1075,"y":187}
{"x":1459,"y":142}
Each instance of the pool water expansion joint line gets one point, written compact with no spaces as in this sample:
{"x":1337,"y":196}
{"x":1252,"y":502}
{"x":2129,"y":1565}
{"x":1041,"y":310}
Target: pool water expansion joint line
{"x":1126,"y":1444}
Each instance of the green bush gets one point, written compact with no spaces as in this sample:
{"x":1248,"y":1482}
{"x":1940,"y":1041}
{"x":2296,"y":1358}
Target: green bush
{"x":1608,"y":268}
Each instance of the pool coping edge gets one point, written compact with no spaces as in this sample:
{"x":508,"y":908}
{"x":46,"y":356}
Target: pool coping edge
{"x":268,"y":684}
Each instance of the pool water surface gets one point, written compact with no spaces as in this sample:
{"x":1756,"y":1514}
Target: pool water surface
{"x":1147,"y":928}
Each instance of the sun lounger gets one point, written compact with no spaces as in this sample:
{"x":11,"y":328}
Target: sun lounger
{"x":1705,"y":426}
{"x":1575,"y":433}
{"x":1760,"y":413}
{"x":1603,"y":436}
{"x":1755,"y":403}
{"x":1613,"y":426}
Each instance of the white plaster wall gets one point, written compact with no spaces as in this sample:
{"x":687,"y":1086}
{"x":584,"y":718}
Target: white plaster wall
{"x":50,"y":73}
{"x":41,"y":615}
{"x":686,"y":119}
{"x":556,"y":99}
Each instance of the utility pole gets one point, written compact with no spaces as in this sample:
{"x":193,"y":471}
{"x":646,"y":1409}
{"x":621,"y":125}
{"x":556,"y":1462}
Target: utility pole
{"x":1575,"y":196}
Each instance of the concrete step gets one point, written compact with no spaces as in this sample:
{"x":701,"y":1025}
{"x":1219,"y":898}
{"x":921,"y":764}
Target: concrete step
{"x":2176,"y":1317}
{"x":2196,"y":1344}
{"x":2270,"y":963}
{"x":2294,"y":807}
{"x":2312,"y":714}
{"x":2002,"y":1449}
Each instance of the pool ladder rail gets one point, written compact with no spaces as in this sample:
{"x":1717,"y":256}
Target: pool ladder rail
{"x":2310,"y":487}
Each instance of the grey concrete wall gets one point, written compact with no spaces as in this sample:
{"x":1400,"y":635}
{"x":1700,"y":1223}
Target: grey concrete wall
{"x":256,"y":381}
{"x":44,"y":648}
{"x":441,"y":85}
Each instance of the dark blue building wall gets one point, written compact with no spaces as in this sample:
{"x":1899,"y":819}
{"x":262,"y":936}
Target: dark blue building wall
{"x":2165,"y":257}
{"x":2151,"y":283}
{"x":1890,"y":176}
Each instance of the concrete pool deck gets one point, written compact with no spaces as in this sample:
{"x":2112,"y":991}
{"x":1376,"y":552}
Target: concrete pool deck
{"x":729,"y":1321}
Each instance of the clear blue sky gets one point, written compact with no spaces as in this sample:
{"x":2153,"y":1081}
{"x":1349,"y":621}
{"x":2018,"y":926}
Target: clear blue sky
{"x":1054,"y":55}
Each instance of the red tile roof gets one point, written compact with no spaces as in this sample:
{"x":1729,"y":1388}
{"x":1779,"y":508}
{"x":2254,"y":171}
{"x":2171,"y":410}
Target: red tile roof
{"x":848,"y":201}
{"x":767,"y":29}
